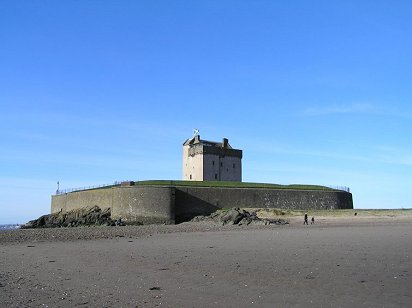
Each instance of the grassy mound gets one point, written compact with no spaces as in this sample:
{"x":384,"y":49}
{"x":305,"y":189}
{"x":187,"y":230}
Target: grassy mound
{"x":225,"y":184}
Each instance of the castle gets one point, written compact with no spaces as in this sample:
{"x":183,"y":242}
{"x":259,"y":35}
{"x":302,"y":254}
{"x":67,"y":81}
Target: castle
{"x":212,"y":180}
{"x":211,"y":161}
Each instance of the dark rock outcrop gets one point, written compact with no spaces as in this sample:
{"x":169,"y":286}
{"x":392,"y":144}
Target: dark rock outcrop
{"x":89,"y":216}
{"x":236,"y":216}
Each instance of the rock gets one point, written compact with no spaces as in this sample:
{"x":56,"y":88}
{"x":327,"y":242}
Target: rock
{"x":232,"y":217}
{"x":119,"y":222}
{"x":277,"y":221}
{"x":200,"y":218}
{"x":250,"y":221}
{"x":89,"y":216}
{"x":236,"y":216}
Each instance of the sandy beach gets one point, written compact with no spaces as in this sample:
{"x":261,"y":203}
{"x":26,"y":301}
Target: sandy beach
{"x":334,"y":263}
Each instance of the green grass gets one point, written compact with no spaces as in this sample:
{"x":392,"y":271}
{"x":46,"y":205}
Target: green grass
{"x":218,"y":184}
{"x":223,"y":184}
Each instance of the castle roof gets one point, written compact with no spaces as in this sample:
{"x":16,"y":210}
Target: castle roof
{"x":198,"y":146}
{"x":196,"y":140}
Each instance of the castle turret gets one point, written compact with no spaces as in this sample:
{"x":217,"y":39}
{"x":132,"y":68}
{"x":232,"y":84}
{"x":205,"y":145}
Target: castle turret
{"x":211,"y":161}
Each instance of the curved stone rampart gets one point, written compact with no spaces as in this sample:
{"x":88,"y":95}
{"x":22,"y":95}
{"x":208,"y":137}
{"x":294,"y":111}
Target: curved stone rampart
{"x":144,"y":204}
{"x":192,"y":201}
{"x":170,"y":204}
{"x":134,"y":204}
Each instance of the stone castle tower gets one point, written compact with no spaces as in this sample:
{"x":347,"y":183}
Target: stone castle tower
{"x":211,"y":161}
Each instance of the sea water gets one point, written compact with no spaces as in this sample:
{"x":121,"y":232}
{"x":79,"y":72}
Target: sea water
{"x":9,"y":227}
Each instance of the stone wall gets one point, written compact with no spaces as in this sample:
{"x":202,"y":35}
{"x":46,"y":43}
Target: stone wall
{"x":71,"y":201}
{"x":192,"y":166}
{"x":166,"y":204}
{"x":145,"y":204}
{"x":192,"y":201}
{"x":134,"y":204}
{"x":222,"y":168}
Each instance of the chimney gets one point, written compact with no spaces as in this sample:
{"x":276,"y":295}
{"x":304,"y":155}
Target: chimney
{"x":225,"y":142}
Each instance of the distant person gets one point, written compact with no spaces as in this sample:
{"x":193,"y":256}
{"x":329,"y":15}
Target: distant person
{"x":305,"y":222}
{"x":313,"y":220}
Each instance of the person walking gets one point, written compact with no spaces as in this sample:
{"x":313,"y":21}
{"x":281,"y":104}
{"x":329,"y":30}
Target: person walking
{"x":313,"y":220}
{"x":305,"y":222}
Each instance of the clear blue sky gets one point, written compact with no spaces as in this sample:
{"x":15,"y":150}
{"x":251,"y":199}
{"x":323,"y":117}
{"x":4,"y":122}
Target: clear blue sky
{"x":315,"y":92}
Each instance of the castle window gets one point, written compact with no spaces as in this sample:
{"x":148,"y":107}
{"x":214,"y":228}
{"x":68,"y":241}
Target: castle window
{"x":213,"y":163}
{"x":190,"y":176}
{"x":215,"y":176}
{"x":221,"y":164}
{"x":233,"y":165}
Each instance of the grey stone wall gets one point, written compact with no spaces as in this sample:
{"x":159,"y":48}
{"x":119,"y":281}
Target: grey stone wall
{"x":192,"y":201}
{"x":145,"y":204}
{"x":76,"y":200}
{"x":165,"y":204}
{"x":134,"y":204}
{"x":222,"y":168}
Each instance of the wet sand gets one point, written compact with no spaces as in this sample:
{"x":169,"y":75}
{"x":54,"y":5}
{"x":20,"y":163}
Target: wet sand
{"x":330,"y":264}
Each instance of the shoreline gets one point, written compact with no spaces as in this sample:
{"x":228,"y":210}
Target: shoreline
{"x":338,"y":263}
{"x":21,"y":236}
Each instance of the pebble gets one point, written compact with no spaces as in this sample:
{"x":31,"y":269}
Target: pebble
{"x":31,"y":236}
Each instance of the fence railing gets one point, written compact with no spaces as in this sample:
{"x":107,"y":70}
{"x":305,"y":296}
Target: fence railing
{"x":116,"y":183}
{"x":343,"y":188}
{"x":69,"y":190}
